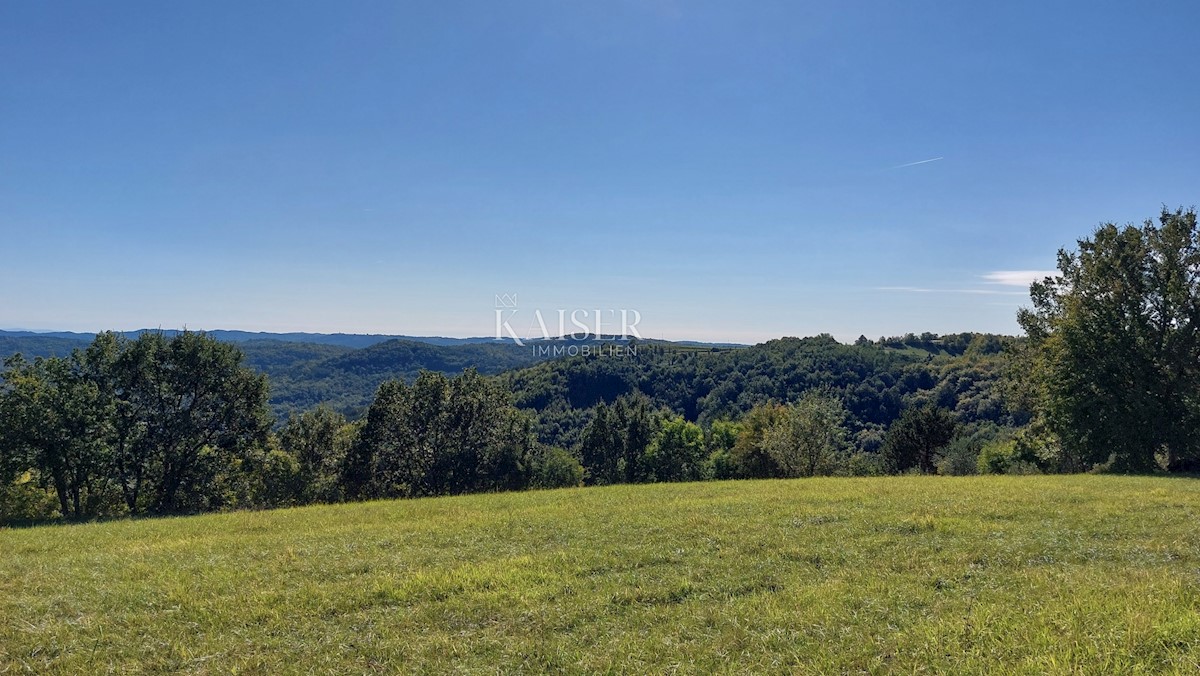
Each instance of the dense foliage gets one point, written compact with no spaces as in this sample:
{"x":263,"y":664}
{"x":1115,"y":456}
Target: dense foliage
{"x":146,"y":426}
{"x":347,"y":380}
{"x":93,"y":429}
{"x":1113,"y":362}
{"x":873,"y":381}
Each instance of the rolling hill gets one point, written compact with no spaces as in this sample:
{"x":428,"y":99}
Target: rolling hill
{"x":1049,"y":574}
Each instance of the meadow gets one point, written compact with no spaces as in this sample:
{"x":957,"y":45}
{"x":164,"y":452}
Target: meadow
{"x":1037,"y":574}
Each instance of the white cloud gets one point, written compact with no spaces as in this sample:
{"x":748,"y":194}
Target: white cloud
{"x":1018,"y":277}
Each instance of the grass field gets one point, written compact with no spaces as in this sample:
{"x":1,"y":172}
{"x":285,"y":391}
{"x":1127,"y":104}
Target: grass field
{"x":1031,"y":574}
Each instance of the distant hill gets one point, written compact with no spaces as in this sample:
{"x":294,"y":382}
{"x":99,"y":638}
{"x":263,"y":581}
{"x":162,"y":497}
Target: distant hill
{"x":304,"y":374}
{"x":353,"y":340}
{"x":700,"y":381}
{"x":347,"y":380}
{"x":37,"y":345}
{"x":340,"y":370}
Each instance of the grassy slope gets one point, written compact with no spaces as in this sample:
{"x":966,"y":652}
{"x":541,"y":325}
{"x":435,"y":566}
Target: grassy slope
{"x":1026,"y":573}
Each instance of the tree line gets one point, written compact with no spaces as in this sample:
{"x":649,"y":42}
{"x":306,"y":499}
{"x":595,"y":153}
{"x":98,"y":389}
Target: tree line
{"x":1107,"y":379}
{"x":168,"y":425}
{"x":158,"y":425}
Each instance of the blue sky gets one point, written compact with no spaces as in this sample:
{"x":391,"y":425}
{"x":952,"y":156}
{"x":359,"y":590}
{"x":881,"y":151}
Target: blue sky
{"x":733,"y":171}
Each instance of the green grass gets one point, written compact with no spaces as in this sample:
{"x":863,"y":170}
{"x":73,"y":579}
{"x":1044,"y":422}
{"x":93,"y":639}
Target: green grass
{"x":1029,"y":574}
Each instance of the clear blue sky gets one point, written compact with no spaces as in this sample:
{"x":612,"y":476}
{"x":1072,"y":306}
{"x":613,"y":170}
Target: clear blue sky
{"x":730,"y":170}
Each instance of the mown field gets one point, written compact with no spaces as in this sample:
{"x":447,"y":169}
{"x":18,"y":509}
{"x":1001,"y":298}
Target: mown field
{"x":1030,"y":574}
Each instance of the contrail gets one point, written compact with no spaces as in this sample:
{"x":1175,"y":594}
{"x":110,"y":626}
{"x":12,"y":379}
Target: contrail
{"x":913,"y":164}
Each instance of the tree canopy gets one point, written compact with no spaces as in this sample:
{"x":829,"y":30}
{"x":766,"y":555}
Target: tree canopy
{"x":1113,"y":359}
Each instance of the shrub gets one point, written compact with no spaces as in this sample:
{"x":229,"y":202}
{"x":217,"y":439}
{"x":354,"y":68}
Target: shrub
{"x":720,"y":465}
{"x":960,"y":458}
{"x":996,"y":457}
{"x":1022,"y":454}
{"x":866,"y":464}
{"x":280,"y":481}
{"x":24,"y":501}
{"x":556,"y":468}
{"x":918,"y":438}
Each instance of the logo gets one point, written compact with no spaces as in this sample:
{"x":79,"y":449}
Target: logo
{"x":602,"y":327}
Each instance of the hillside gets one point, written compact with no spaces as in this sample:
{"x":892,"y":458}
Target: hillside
{"x":339,"y":370}
{"x":304,"y":374}
{"x":702,"y":382}
{"x":347,"y":380}
{"x":1078,"y":574}
{"x":875,"y":381}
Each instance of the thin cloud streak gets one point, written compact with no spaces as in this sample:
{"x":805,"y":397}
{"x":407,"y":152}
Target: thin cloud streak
{"x":913,"y":164}
{"x":980,"y":292}
{"x":1018,"y":277}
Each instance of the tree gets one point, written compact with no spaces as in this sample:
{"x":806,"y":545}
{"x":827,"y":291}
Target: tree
{"x":677,"y":452}
{"x":601,"y":449}
{"x":722,"y":437}
{"x":555,"y":468}
{"x":56,"y":422}
{"x":486,"y":443}
{"x":614,"y":444}
{"x":750,"y":453}
{"x":808,"y":438}
{"x":379,"y":463}
{"x":638,"y":424}
{"x":917,"y":439}
{"x":440,"y":436}
{"x":1112,"y":365}
{"x":187,"y":412}
{"x":317,"y":440}
{"x":15,"y":414}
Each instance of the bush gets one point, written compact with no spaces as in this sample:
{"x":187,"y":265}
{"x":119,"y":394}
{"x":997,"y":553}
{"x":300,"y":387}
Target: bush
{"x":960,"y":458}
{"x":24,"y":501}
{"x":1022,"y":453}
{"x":556,"y":468}
{"x":677,"y":452}
{"x":1023,"y":467}
{"x":996,"y":457}
{"x":918,"y":438}
{"x":279,"y":480}
{"x":866,"y":464}
{"x":720,"y":465}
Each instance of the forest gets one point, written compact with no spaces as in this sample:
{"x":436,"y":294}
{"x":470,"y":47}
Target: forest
{"x":1105,"y":379}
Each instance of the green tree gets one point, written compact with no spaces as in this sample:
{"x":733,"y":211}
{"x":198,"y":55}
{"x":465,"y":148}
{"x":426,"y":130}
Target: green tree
{"x":722,"y":437}
{"x":555,"y":468}
{"x":188,"y":413}
{"x":750,"y":453}
{"x":440,"y":436}
{"x":14,"y":451}
{"x":637,"y":423}
{"x":809,"y":437}
{"x":380,"y":462}
{"x":1112,"y":365}
{"x":485,"y":442}
{"x":918,"y":438}
{"x":318,"y":441}
{"x":615,"y":441}
{"x":56,"y":422}
{"x":601,"y":449}
{"x":677,"y":452}
{"x":279,"y":481}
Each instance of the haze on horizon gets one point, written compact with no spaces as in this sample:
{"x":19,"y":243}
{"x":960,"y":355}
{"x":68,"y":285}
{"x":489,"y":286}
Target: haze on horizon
{"x":732,"y":173}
